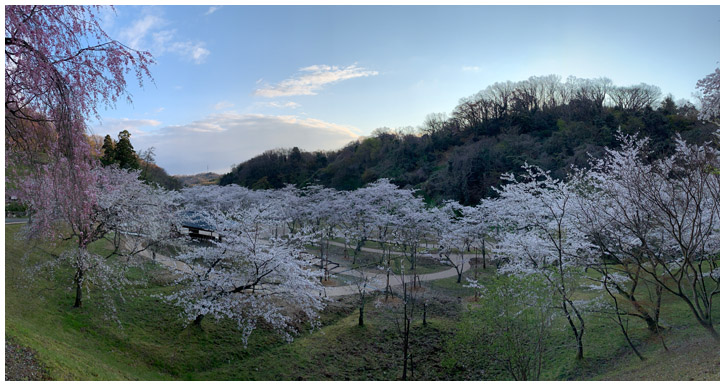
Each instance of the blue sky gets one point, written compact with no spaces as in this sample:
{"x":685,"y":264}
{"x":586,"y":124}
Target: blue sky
{"x":233,"y":81}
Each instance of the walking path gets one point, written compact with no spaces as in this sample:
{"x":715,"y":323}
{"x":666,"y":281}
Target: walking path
{"x":378,"y":278}
{"x":10,"y":220}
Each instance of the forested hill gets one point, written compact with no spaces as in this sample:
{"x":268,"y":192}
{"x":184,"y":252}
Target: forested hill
{"x":461,"y":156}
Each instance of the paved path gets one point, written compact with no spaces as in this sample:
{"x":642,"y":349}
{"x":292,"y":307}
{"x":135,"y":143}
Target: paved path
{"x":378,"y":278}
{"x":10,"y":220}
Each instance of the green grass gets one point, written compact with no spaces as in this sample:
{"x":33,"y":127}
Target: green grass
{"x":66,"y":339}
{"x":692,"y":352}
{"x":153,"y":343}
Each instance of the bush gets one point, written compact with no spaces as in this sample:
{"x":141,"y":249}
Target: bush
{"x":504,"y":336}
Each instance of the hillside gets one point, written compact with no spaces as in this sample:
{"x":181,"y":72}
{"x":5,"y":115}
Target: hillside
{"x":540,"y":121}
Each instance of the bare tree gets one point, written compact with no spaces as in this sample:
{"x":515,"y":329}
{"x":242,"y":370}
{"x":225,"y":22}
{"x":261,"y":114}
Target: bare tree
{"x":434,"y":122}
{"x":593,"y":91}
{"x":635,"y":98}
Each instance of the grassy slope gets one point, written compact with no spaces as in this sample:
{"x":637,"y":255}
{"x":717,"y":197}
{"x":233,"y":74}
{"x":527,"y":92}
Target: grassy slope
{"x":153,"y":344}
{"x":40,"y":316}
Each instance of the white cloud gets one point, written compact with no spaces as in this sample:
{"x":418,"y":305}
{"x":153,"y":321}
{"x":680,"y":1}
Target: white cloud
{"x":134,"y":35}
{"x":220,"y":140}
{"x":149,"y":33}
{"x":194,"y":51}
{"x":312,"y":79}
{"x":471,"y":68}
{"x":212,"y":9}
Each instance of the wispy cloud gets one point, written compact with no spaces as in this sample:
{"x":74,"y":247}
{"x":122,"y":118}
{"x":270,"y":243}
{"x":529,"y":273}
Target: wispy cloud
{"x":220,"y":140}
{"x":212,"y":9}
{"x":150,"y":32}
{"x":196,"y":52}
{"x":223,"y":105}
{"x":135,"y":34}
{"x":312,"y":79}
{"x":471,"y":69}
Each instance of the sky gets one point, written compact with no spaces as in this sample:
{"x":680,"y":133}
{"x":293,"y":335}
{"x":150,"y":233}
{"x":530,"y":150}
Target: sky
{"x":233,"y":81}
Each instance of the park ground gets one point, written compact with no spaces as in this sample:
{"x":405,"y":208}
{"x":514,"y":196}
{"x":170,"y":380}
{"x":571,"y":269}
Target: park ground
{"x":145,"y":339}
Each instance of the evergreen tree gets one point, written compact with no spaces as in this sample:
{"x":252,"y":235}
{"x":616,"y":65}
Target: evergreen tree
{"x":125,"y":154}
{"x":109,"y":151}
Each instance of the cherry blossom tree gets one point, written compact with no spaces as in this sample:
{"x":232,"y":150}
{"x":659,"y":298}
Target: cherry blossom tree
{"x":59,"y":66}
{"x":356,"y":218}
{"x":541,"y":237}
{"x":383,"y":200}
{"x":320,"y":209}
{"x":413,"y":224}
{"x":709,"y":95}
{"x":481,"y":223}
{"x":454,"y":235}
{"x":290,"y":208}
{"x":600,"y":215}
{"x":663,"y":217}
{"x":249,"y":275}
{"x":112,"y":204}
{"x":365,"y":283}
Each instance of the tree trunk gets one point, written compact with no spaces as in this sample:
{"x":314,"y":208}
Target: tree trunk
{"x":578,"y":332}
{"x":629,"y":341}
{"x":483,"y":254}
{"x":79,"y":289}
{"x":79,"y":294}
{"x":709,"y":327}
{"x":579,"y":348}
{"x":475,"y":265}
{"x":197,"y":321}
{"x":387,"y":283}
{"x":405,"y":348}
{"x":425,"y":309}
{"x":652,"y":325}
{"x":360,"y":318}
